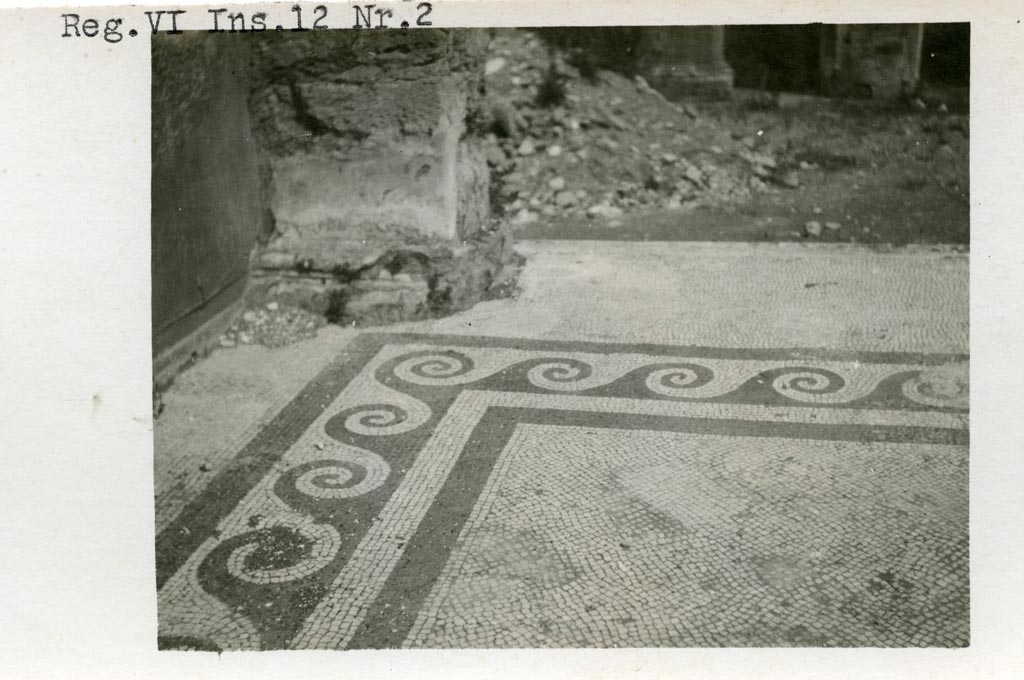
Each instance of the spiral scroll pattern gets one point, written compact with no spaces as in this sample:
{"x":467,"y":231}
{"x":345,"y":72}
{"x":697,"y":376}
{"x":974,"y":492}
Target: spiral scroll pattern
{"x":679,"y":380}
{"x":284,"y":550}
{"x":434,"y":368}
{"x":940,"y":393}
{"x":333,"y":479}
{"x":807,"y":384}
{"x":377,"y":419}
{"x":563,"y":375}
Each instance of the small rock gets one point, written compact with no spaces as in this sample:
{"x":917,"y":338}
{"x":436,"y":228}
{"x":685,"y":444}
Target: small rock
{"x":554,"y":150}
{"x":203,"y":467}
{"x":608,"y":144}
{"x":833,"y":226}
{"x":565,"y":199}
{"x":919,"y":104}
{"x":604,"y":210}
{"x":384,"y":275}
{"x":694,"y":175}
{"x":616,"y":122}
{"x":274,"y":260}
{"x":319,"y":446}
{"x":493,"y":66}
{"x":691,"y":111}
{"x":557,"y":183}
{"x":813,"y":228}
{"x":402,"y":277}
{"x":494,"y":155}
{"x":226,"y":342}
{"x":816,"y":210}
{"x":249,"y":317}
{"x":760,"y":159}
{"x":506,"y":276}
{"x":866,"y":230}
{"x":790,"y":179}
{"x":943,"y":108}
{"x":669,"y":157}
{"x":804,"y":165}
{"x":527,"y":148}
{"x":273,"y":306}
{"x":503,"y":115}
{"x":245,"y":338}
{"x":525,"y":216}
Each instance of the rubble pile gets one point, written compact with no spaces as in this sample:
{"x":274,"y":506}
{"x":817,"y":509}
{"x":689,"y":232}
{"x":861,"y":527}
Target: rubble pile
{"x":565,"y":144}
{"x":272,"y":325}
{"x":573,"y":149}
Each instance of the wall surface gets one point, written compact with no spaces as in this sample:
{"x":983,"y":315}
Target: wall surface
{"x":367,"y":131}
{"x":872,"y":60}
{"x":685,"y":62}
{"x":207,"y":205}
{"x":339,"y":171}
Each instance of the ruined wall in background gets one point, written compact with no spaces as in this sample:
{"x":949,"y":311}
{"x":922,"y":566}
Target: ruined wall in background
{"x":681,"y":62}
{"x":378,"y":186}
{"x":872,"y":60}
{"x":685,"y":62}
{"x":366,"y":130}
{"x":340,"y":171}
{"x":207,"y":206}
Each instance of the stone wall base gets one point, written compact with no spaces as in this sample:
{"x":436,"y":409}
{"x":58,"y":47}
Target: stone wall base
{"x":402,"y":280}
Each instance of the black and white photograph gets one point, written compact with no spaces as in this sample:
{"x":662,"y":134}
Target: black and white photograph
{"x":503,"y":339}
{"x":562,"y":337}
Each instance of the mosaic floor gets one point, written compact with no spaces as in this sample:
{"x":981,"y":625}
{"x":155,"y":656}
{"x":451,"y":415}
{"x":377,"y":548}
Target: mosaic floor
{"x":428,"y":490}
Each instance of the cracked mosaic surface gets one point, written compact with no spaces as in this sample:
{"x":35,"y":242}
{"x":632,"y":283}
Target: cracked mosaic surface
{"x":445,"y":491}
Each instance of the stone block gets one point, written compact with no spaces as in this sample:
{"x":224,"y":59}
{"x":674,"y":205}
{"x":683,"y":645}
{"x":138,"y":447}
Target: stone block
{"x":872,"y":60}
{"x":371,"y":127}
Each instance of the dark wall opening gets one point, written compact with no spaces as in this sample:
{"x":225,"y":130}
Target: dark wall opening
{"x":775,"y":58}
{"x":946,"y":54}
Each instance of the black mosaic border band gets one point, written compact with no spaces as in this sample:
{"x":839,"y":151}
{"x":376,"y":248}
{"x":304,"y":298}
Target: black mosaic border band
{"x":395,"y":609}
{"x":280,"y":609}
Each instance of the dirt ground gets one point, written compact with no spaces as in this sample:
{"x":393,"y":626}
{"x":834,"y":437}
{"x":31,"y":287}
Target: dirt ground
{"x":582,"y":153}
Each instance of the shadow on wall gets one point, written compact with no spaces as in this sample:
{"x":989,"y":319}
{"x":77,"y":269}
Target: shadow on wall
{"x":207,"y":198}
